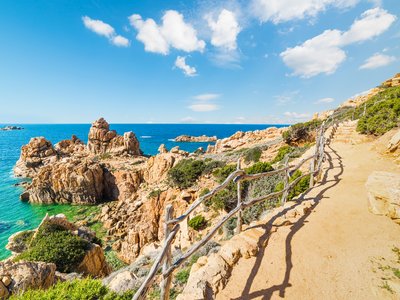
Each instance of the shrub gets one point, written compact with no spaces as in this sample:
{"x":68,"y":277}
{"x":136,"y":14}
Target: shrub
{"x":155,"y":193}
{"x":22,"y":239}
{"x":253,"y":155}
{"x":299,"y":188}
{"x":204,"y":191}
{"x":198,"y":222}
{"x":77,"y":289}
{"x":182,"y":276}
{"x":211,"y":165}
{"x":282,"y":152}
{"x":230,"y":227}
{"x":105,"y":156}
{"x":260,"y":167}
{"x":113,"y":260}
{"x":382,"y":112}
{"x":301,"y":132}
{"x":186,"y":172}
{"x":55,"y":244}
{"x":221,"y":174}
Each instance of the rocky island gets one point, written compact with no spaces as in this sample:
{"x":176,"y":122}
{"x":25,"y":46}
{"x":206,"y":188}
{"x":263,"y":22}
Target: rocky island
{"x":11,"y":127}
{"x":195,"y":139}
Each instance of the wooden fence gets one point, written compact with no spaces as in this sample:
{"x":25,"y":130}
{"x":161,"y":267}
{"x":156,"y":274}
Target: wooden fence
{"x":172,"y":225}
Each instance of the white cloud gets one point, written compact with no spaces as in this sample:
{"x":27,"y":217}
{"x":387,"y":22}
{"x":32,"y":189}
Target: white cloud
{"x":372,"y":23}
{"x":106,"y":30}
{"x":204,"y":107}
{"x":206,"y":97}
{"x":224,"y":30}
{"x":325,"y":100}
{"x":180,"y":63}
{"x":324,"y":53}
{"x":286,"y":98}
{"x":296,"y":115}
{"x":120,"y":41}
{"x":174,"y":32}
{"x":279,"y":11}
{"x":377,"y":60}
{"x":149,"y":34}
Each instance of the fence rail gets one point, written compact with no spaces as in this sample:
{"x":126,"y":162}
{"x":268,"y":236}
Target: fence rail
{"x":172,"y":225}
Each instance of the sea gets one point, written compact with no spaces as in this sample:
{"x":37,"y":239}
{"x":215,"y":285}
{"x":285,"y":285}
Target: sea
{"x":16,"y":215}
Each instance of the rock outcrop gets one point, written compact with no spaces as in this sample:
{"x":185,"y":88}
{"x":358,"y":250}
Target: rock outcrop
{"x":195,"y":139}
{"x":384,"y":194}
{"x":103,"y":140}
{"x":34,"y":155}
{"x":69,"y":180}
{"x":394,"y":143}
{"x":70,"y":147}
{"x":17,"y":277}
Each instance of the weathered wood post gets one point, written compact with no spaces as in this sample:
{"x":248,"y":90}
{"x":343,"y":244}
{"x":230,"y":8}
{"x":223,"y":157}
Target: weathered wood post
{"x":239,"y":202}
{"x":166,"y":283}
{"x":312,"y":163}
{"x":286,"y":180}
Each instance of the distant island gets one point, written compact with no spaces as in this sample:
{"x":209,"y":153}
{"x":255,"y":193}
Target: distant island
{"x":195,"y":139}
{"x":9,"y":128}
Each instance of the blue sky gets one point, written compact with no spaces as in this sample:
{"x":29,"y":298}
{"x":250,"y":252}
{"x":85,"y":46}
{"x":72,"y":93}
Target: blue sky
{"x":254,"y":61}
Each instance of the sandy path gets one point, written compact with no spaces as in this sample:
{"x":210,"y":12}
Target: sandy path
{"x":327,"y":254}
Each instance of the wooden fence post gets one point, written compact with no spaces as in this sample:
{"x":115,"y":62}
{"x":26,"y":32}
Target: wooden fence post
{"x":286,"y":180}
{"x":166,"y":283}
{"x":239,"y":201}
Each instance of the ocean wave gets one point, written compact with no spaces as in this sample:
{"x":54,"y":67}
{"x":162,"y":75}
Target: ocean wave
{"x":146,"y":136}
{"x":171,"y":140}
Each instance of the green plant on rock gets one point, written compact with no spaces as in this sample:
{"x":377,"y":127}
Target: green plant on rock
{"x":55,"y":244}
{"x":253,"y":155}
{"x":301,"y":132}
{"x":182,"y":276}
{"x":198,"y":222}
{"x":282,"y":152}
{"x":186,"y":172}
{"x":299,"y":188}
{"x":22,"y":239}
{"x":155,"y":193}
{"x":77,"y":289}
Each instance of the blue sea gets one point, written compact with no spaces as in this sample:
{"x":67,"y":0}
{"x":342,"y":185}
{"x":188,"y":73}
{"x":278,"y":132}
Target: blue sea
{"x":16,"y":215}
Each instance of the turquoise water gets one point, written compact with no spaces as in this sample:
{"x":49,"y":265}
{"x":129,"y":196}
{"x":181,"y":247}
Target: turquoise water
{"x":16,"y":215}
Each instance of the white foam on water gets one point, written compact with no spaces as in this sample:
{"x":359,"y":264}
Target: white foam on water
{"x":146,"y":136}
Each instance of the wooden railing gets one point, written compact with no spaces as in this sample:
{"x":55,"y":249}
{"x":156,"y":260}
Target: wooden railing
{"x":172,"y":225}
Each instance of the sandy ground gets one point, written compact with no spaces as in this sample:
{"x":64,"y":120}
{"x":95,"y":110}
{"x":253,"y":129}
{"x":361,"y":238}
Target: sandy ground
{"x":338,"y":251}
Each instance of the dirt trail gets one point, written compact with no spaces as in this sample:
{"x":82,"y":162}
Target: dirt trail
{"x":330,"y":253}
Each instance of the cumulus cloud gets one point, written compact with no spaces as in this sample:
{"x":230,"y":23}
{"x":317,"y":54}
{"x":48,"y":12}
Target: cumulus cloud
{"x":188,"y":119}
{"x":279,"y":11}
{"x":206,"y":97}
{"x":180,"y":63}
{"x":324,"y":100}
{"x":204,"y":107}
{"x":324,"y":53}
{"x":377,"y":60}
{"x":295,"y":115}
{"x":106,"y":30}
{"x":225,"y":30}
{"x":173,"y":32}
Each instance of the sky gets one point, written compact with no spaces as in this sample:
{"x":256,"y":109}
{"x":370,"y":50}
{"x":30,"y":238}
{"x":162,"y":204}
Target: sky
{"x":157,"y":61}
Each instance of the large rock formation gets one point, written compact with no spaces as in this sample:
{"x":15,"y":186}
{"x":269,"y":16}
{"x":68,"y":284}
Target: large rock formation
{"x":394,"y":143}
{"x":69,"y":181}
{"x":103,"y":140}
{"x":34,"y":155}
{"x":70,"y":147}
{"x":384,"y":194}
{"x":17,"y":277}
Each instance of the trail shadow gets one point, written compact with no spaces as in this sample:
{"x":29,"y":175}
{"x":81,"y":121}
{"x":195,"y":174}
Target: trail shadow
{"x":295,"y":227}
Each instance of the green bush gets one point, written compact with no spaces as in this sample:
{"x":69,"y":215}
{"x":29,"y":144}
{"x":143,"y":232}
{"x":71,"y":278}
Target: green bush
{"x":221,"y":174}
{"x":382,"y":112}
{"x":182,"y":276}
{"x":198,"y":222}
{"x":299,"y":188}
{"x":22,"y":239}
{"x":204,"y":191}
{"x":282,"y":152}
{"x":253,"y":155}
{"x":260,"y":167}
{"x":55,"y":244}
{"x":77,"y":289}
{"x":301,"y":132}
{"x":155,"y":193}
{"x":186,"y":172}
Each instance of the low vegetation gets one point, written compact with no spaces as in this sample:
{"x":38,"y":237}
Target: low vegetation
{"x":301,"y":132}
{"x":198,"y":222}
{"x":252,"y":155}
{"x":22,"y":239}
{"x":187,"y":171}
{"x":55,"y":244}
{"x":77,"y":289}
{"x":299,"y":188}
{"x":382,"y":112}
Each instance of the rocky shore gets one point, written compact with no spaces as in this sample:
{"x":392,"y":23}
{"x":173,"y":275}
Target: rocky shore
{"x":11,"y":127}
{"x":196,"y":139}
